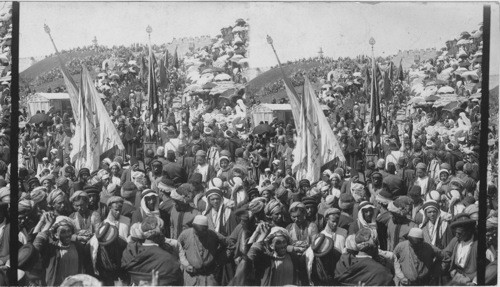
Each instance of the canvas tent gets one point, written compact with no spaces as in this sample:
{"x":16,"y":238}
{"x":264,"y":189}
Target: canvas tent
{"x":45,"y":101}
{"x":266,"y":112}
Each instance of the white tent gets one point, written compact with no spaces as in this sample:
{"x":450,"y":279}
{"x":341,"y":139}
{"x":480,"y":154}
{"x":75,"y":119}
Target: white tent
{"x":46,"y":101}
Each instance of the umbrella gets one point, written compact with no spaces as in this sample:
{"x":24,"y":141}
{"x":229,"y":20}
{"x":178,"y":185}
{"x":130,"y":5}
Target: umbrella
{"x":105,"y":87}
{"x":228,"y":94}
{"x":243,"y":61}
{"x":472,"y":74}
{"x":209,"y":86}
{"x":222,"y":77}
{"x":102,"y":75}
{"x":132,"y":62}
{"x":477,"y":95}
{"x":114,"y":77}
{"x":446,"y":90}
{"x":40,"y":118}
{"x":357,"y":74}
{"x":240,"y":21}
{"x":465,"y":35}
{"x":236,"y":58}
{"x":460,"y":70}
{"x":338,"y":88}
{"x":208,"y":70}
{"x":192,"y":88}
{"x":239,"y":29}
{"x":432,"y":98}
{"x":451,"y":106}
{"x":463,"y":42}
{"x":262,"y":129}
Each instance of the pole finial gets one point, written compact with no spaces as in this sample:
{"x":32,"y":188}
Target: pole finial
{"x":372,"y":41}
{"x":46,"y":28}
{"x":269,"y":40}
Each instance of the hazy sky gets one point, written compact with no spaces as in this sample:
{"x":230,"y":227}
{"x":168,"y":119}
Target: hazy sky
{"x":299,"y":29}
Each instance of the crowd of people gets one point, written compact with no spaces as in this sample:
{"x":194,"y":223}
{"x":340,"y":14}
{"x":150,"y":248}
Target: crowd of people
{"x":203,"y":200}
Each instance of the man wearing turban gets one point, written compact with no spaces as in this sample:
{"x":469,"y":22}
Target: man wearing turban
{"x":62,"y":252}
{"x":274,"y":212}
{"x":399,"y":225}
{"x":184,"y":212}
{"x":57,"y":202}
{"x":273,"y":262}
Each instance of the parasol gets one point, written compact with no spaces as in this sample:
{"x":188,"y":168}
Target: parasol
{"x":229,"y":93}
{"x":239,"y":29}
{"x":192,"y":88}
{"x":40,"y":118}
{"x":102,"y":75}
{"x":472,"y":74}
{"x":114,"y":77}
{"x":262,"y":129}
{"x":446,"y":90}
{"x":209,"y":86}
{"x":452,"y":106}
{"x":222,"y":77}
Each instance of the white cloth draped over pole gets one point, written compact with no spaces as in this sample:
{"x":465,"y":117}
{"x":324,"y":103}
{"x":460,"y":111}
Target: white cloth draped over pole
{"x":316,"y":142}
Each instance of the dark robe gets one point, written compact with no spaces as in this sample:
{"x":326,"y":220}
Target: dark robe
{"x":258,"y":269}
{"x":139,"y":261}
{"x":351,"y":270}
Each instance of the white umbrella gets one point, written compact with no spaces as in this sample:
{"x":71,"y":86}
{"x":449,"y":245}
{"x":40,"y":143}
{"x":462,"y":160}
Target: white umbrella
{"x":132,"y":62}
{"x":460,"y":71}
{"x":105,"y":87}
{"x":472,"y":74}
{"x":222,"y":77}
{"x":192,"y":88}
{"x":357,"y":74}
{"x":102,"y":75}
{"x":446,"y":90}
{"x":239,"y":29}
{"x":243,"y":61}
{"x":236,"y":58}
{"x":415,"y":100}
{"x":463,"y":42}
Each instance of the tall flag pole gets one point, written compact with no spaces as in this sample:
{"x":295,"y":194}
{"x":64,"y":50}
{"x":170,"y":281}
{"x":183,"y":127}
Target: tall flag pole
{"x":176,"y":58}
{"x":152,"y":90}
{"x":376,"y":119}
{"x":68,"y":80}
{"x":316,"y":142}
{"x":290,"y":90}
{"x":401,"y":75}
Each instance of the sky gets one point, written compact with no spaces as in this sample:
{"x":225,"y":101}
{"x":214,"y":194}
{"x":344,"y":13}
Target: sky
{"x":298,"y":29}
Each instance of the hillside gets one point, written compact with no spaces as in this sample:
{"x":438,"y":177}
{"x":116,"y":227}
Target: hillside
{"x":50,"y":63}
{"x":274,"y":75}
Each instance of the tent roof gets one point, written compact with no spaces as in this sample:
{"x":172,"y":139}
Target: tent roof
{"x":54,"y":96}
{"x":285,"y":107}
